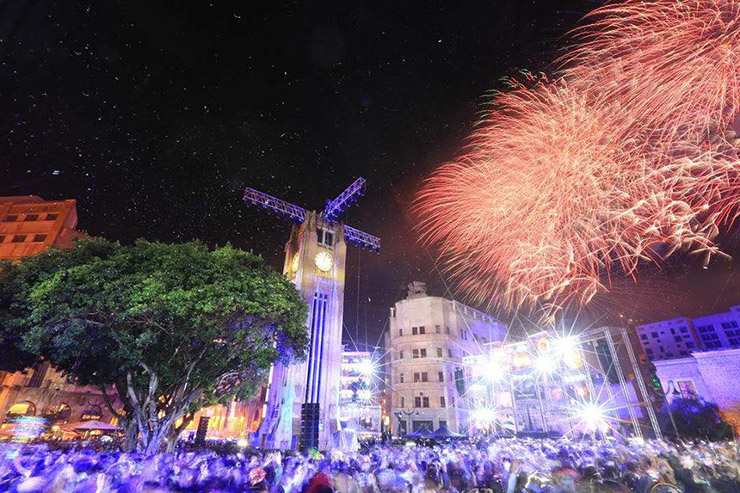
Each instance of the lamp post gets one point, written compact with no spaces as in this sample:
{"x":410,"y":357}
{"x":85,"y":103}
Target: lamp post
{"x":400,"y":414}
{"x":673,"y":391}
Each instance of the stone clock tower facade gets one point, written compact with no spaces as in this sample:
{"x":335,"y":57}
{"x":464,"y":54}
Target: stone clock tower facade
{"x":315,"y":259}
{"x":301,"y":407}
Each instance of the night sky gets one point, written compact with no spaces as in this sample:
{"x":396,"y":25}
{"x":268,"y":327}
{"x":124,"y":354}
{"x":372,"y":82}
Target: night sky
{"x":155,"y":115}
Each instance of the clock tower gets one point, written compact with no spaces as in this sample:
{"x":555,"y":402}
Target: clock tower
{"x":302,"y":399}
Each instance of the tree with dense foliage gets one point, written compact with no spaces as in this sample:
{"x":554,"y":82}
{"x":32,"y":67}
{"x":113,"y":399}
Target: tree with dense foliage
{"x":13,"y":355}
{"x":171,"y":327}
{"x":694,"y":419}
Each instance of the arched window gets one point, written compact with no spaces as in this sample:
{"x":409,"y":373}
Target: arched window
{"x":91,"y":412}
{"x":59,"y":414}
{"x":24,"y":408}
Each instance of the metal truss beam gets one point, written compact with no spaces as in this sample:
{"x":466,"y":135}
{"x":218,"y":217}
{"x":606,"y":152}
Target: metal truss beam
{"x":294,"y":212}
{"x":345,"y":199}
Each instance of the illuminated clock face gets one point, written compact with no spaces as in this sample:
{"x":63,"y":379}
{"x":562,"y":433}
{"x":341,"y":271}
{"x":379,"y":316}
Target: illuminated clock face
{"x":294,"y":263}
{"x":324,"y":261}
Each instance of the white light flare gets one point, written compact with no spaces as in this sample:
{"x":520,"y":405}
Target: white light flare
{"x":365,"y":395}
{"x":593,"y":417}
{"x":484,"y":417}
{"x":366,"y":367}
{"x":546,"y":364}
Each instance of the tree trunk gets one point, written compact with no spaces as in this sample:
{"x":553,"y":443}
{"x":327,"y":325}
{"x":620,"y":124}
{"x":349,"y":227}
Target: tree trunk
{"x":156,"y":438}
{"x":176,"y":431}
{"x":155,"y":423}
{"x":132,"y":435}
{"x":163,"y":436}
{"x":171,"y":440}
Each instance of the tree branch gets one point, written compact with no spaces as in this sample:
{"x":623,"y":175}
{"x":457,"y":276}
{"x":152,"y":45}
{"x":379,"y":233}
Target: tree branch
{"x":110,"y":404}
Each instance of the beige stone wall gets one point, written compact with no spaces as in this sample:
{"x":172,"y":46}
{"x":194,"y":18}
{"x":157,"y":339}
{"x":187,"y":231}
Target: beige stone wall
{"x":715,"y":375}
{"x":451,"y":332}
{"x":721,"y":373}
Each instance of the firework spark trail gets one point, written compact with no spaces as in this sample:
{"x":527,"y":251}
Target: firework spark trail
{"x":550,"y":195}
{"x":674,"y":65}
{"x":563,"y":182}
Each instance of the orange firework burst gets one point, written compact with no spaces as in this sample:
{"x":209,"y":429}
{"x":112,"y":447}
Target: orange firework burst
{"x":673,"y":64}
{"x":556,"y":189}
{"x":629,"y":161}
{"x":549,"y":196}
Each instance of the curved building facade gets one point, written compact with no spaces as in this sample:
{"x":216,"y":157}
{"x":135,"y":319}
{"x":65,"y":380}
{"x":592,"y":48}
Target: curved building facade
{"x":428,"y":339}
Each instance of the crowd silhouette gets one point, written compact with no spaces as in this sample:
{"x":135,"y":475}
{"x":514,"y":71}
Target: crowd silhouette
{"x":511,"y":466}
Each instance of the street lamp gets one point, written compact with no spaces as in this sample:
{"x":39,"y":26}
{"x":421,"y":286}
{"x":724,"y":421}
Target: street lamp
{"x":400,"y":416}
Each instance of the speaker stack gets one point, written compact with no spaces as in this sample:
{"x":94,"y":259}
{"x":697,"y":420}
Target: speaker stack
{"x":200,"y":435}
{"x":309,"y":426}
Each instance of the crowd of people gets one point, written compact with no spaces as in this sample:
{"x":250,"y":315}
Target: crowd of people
{"x":511,"y":466}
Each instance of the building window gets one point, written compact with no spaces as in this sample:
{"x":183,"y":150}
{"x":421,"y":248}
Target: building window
{"x":400,"y":378}
{"x":19,"y":238}
{"x":422,"y":330}
{"x":10,"y":219}
{"x":425,"y":401}
{"x":52,"y":217}
{"x":424,"y":376}
{"x":417,"y":401}
{"x":400,"y":355}
{"x":39,"y":238}
{"x":423,"y":352}
{"x":437,"y":329}
{"x":414,"y":331}
{"x":683,"y":330}
{"x":403,"y":402}
{"x":415,"y":353}
{"x":677,"y":338}
{"x":417,"y":377}
{"x":439,"y":352}
{"x":729,"y":325}
{"x":649,"y":351}
{"x":442,"y":402}
{"x":2,"y":238}
{"x":447,"y":330}
{"x":654,"y":335}
{"x":441,"y":376}
{"x":643,"y":336}
{"x":31,"y":217}
{"x":400,"y":332}
{"x":689,"y":344}
{"x":687,"y":389}
{"x":325,"y":238}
